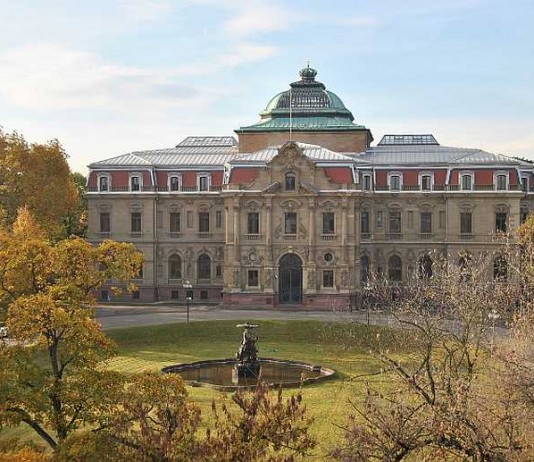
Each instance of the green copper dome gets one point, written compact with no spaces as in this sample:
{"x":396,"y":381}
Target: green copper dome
{"x":307,"y":105}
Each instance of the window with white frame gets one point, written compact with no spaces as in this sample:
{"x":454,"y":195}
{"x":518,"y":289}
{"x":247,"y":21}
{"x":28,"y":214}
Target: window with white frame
{"x":524,"y":184}
{"x":175,"y":182}
{"x":103,"y":183}
{"x":501,"y":181}
{"x":367,"y":182}
{"x":136,"y":182}
{"x":466,"y":181}
{"x":395,"y":181}
{"x":426,"y":181}
{"x":203,"y":181}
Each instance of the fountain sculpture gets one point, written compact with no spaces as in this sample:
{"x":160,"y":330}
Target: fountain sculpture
{"x":247,"y":368}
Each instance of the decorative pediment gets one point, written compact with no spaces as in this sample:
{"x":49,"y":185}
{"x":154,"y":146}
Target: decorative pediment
{"x":253,"y":206}
{"x":291,"y":205}
{"x":306,"y":187}
{"x":204,"y":207}
{"x":291,"y":156}
{"x":272,"y":188}
{"x":329,"y":205}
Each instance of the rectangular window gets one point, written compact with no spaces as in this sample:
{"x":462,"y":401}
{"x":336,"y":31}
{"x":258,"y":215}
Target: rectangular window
{"x":175,"y":183}
{"x":328,"y":223}
{"x":189,"y":219}
{"x":500,"y":222}
{"x":218,"y":271}
{"x":328,"y":278}
{"x":203,"y":295}
{"x":367,"y":183}
{"x":253,"y":223}
{"x":467,"y":182}
{"x":218,"y":218}
{"x":253,"y":279}
{"x":394,"y":222}
{"x":174,"y":222}
{"x":203,"y":222}
{"x":135,"y":222}
{"x":365,"y":224}
{"x":290,"y":223}
{"x":105,"y":224}
{"x":290,"y":182}
{"x":502,"y":181}
{"x":524,"y":184}
{"x":426,"y":222}
{"x":379,"y":219}
{"x":104,"y":183}
{"x":442,"y":219}
{"x":466,"y":223}
{"x":426,"y":182}
{"x":135,"y":183}
{"x":410,"y":219}
{"x":394,"y":183}
{"x":174,"y":295}
{"x":203,"y":183}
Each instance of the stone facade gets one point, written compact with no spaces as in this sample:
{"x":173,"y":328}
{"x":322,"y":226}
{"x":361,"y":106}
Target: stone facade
{"x":272,"y":221}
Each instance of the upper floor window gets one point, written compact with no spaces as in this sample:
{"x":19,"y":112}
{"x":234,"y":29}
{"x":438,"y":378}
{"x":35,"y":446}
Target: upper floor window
{"x":329,"y":223}
{"x":395,"y":223}
{"x":174,"y":183}
{"x":466,"y":223}
{"x":395,"y":182}
{"x":426,"y":182}
{"x":218,"y":218}
{"x":524,"y":184}
{"x":501,"y":181}
{"x":135,"y":222}
{"x":203,"y":222}
{"x":290,"y":223}
{"x":135,"y":183}
{"x":426,"y":222}
{"x":290,"y":182}
{"x":367,"y":183}
{"x":203,"y":182}
{"x":253,"y":223}
{"x":500,"y":222}
{"x":105,"y":223}
{"x":174,"y":222}
{"x":466,"y":181}
{"x":365,"y":222}
{"x":103,"y":183}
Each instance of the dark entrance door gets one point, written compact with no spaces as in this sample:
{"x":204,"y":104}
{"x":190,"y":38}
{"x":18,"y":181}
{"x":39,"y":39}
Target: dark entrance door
{"x":290,"y":279}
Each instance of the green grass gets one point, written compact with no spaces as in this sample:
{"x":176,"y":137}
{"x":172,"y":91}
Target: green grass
{"x":343,"y":347}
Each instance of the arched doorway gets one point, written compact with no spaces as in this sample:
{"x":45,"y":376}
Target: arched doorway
{"x":290,"y":279}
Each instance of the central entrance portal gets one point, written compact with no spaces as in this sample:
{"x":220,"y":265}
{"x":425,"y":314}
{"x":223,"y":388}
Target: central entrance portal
{"x":290,"y":279}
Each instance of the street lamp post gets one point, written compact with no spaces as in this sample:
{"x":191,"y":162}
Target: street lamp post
{"x":188,"y":295}
{"x":493,"y":315}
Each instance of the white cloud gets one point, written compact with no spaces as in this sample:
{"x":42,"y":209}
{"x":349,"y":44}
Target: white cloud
{"x":146,"y":10}
{"x":256,"y":17}
{"x":356,"y":21}
{"x":47,"y":76}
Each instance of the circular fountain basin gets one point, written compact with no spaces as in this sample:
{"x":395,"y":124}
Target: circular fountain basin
{"x":220,"y":373}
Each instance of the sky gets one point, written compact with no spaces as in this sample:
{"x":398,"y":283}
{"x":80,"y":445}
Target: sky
{"x":107,"y":77}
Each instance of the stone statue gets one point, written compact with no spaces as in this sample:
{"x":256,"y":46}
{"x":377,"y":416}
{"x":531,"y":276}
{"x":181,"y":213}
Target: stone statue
{"x":247,"y":362}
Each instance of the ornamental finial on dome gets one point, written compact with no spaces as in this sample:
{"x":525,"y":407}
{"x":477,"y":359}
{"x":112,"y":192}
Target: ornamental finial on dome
{"x":308,"y":74}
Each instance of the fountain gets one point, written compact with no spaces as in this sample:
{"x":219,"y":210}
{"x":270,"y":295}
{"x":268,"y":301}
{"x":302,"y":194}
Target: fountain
{"x":247,"y":368}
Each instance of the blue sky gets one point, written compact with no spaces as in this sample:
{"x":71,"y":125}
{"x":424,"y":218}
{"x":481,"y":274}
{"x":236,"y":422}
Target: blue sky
{"x":107,"y":77}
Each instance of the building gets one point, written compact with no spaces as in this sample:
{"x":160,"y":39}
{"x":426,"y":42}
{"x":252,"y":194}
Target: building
{"x":301,"y":207}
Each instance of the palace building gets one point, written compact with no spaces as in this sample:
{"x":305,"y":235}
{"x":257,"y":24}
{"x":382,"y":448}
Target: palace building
{"x":301,"y":207}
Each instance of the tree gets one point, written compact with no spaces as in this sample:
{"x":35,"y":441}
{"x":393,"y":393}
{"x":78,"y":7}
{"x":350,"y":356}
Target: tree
{"x":446,"y":401}
{"x":51,"y":378}
{"x":36,"y":176}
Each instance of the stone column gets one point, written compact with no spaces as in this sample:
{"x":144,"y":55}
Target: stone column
{"x":344,"y":229}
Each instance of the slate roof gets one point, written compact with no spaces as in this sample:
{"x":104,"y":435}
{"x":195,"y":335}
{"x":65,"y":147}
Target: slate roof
{"x":432,"y":155}
{"x":313,"y":152}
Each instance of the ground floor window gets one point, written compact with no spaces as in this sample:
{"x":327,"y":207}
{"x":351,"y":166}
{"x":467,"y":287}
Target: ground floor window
{"x":203,"y":295}
{"x":253,"y":279}
{"x":328,"y":278}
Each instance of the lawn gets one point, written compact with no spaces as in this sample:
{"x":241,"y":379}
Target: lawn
{"x":343,"y":347}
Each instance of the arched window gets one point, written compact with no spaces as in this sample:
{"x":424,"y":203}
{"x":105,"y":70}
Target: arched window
{"x":175,"y":267}
{"x":365,"y":269}
{"x":395,"y":268}
{"x":290,"y":181}
{"x":500,"y":268}
{"x":425,"y":266}
{"x":204,"y":267}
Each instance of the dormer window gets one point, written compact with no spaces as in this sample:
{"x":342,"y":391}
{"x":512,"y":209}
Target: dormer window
{"x":524,"y":184}
{"x":395,"y":181}
{"x":103,"y":183}
{"x":501,"y":181}
{"x":290,"y":181}
{"x":203,"y":181}
{"x":367,"y":182}
{"x":174,"y":183}
{"x":426,"y":182}
{"x":466,"y":181}
{"x":135,"y":183}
